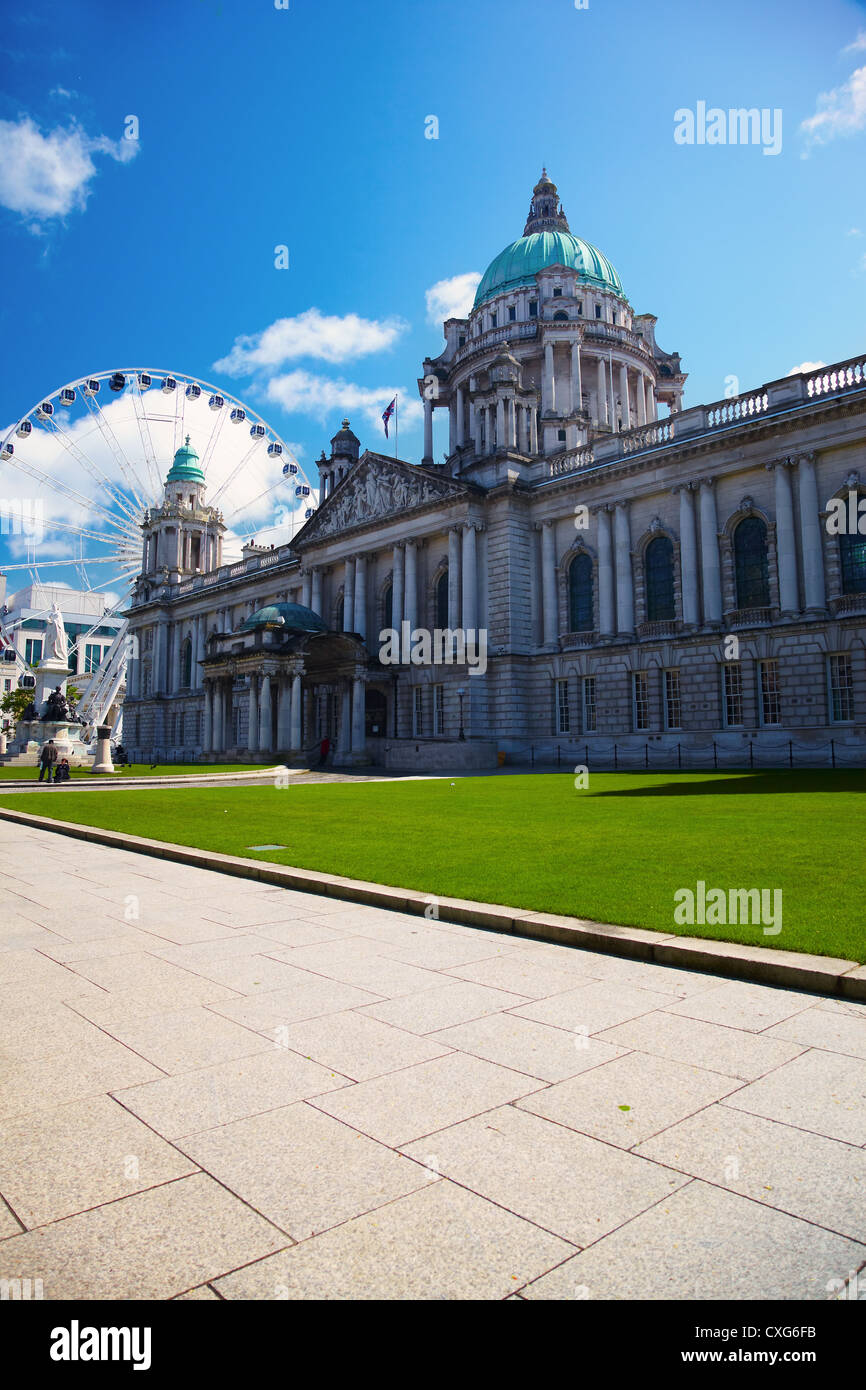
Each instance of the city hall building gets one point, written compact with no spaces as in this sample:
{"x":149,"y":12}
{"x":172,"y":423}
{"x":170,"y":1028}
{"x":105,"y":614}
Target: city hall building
{"x":653,"y":584}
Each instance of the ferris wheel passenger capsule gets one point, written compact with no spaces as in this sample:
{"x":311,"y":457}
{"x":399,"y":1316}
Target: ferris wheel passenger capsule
{"x":289,"y":469}
{"x":117,"y":381}
{"x":7,"y":449}
{"x":311,"y":511}
{"x":238,"y":416}
{"x":193,"y":391}
{"x":216,"y":402}
{"x":169,"y":385}
{"x":274,"y":451}
{"x":24,"y":429}
{"x":67,"y":396}
{"x":257,"y":431}
{"x":145,"y":381}
{"x":91,"y":387}
{"x":302,"y":491}
{"x":44,"y":411}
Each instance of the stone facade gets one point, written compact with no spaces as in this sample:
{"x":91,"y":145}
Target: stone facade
{"x":673,"y":586}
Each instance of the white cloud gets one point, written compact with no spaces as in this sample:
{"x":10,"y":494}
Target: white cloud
{"x":806,"y":367}
{"x":328,"y":337}
{"x":305,"y":393}
{"x":858,"y":45}
{"x":48,"y":175}
{"x":841,"y":111}
{"x":451,"y":299}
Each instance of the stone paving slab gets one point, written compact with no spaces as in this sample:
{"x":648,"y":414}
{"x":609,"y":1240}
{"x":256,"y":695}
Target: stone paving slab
{"x":703,"y":1243}
{"x":455,"y":1127}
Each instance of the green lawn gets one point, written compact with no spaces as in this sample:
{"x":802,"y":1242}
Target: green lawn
{"x":617,"y":852}
{"x":31,"y":774}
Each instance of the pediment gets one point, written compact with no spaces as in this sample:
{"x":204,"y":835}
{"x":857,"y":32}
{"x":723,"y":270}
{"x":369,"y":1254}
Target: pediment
{"x":377,"y":489}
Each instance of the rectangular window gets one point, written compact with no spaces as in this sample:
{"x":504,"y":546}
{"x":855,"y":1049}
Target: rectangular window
{"x":673,"y":709}
{"x":492,"y":320}
{"x":32,"y":650}
{"x":768,"y":674}
{"x":438,"y":710}
{"x":7,"y":685}
{"x":562,"y":723}
{"x":640,"y":699}
{"x":512,"y":313}
{"x":92,"y":657}
{"x":841,"y":682}
{"x":732,"y":678}
{"x":533,"y":308}
{"x":580,"y":307}
{"x":598,"y":311}
{"x":589,"y":713}
{"x":461,"y":341}
{"x":417,"y":712}
{"x":557,"y":292}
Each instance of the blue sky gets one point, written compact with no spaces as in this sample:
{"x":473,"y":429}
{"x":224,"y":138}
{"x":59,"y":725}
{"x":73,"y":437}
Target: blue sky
{"x":305,"y":127}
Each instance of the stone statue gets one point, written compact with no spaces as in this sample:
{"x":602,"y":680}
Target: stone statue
{"x":56,"y":648}
{"x":56,"y":708}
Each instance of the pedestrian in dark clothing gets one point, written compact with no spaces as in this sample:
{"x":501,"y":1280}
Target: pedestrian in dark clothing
{"x":324,"y":750}
{"x":62,"y":772}
{"x":47,"y":759}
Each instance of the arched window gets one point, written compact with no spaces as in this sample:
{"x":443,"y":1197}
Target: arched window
{"x":388,"y":606}
{"x":852,"y":555}
{"x":750,"y":563}
{"x":580,"y":594}
{"x":186,"y":665}
{"x":560,"y":316}
{"x":659,"y":573}
{"x":442,"y":601}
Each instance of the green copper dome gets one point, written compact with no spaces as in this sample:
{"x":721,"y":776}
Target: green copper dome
{"x":292,"y":617}
{"x":520,"y":262}
{"x":186,"y":467}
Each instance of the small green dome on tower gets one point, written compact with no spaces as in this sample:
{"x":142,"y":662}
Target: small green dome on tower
{"x":186,"y":467}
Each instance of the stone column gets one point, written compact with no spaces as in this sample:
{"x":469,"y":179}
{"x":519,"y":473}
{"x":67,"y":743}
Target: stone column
{"x":651,"y":413}
{"x":306,"y":589}
{"x":253,"y":721}
{"x":786,"y":545}
{"x":349,"y":595}
{"x":470,"y":578}
{"x":265,"y":733}
{"x":533,"y":429}
{"x":688,"y":553}
{"x":461,"y":438}
{"x":501,"y":440}
{"x":361,"y":596}
{"x":605,"y":574}
{"x":158,"y":660}
{"x":576,"y":385}
{"x":473,"y":432}
{"x":623,"y":391}
{"x":345,"y":740}
{"x":640,"y":398}
{"x":177,"y":643}
{"x":453,"y":577}
{"x":548,"y":583}
{"x":410,"y":598}
{"x":428,"y":431}
{"x":548,"y":382}
{"x":603,"y":412}
{"x":810,"y":536}
{"x":295,"y":730}
{"x":712,"y":580}
{"x":511,"y":411}
{"x":397,"y":588}
{"x":316,"y":591}
{"x":624,"y":584}
{"x":284,"y":701}
{"x":218,"y":712}
{"x":358,"y":707}
{"x":207,"y":729}
{"x":201,"y":648}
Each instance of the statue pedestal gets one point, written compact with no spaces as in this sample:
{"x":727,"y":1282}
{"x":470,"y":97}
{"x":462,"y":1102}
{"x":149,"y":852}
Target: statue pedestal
{"x":50,"y":673}
{"x":103,"y":761}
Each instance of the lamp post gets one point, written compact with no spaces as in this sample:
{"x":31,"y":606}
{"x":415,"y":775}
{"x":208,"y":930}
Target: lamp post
{"x":460,"y":694}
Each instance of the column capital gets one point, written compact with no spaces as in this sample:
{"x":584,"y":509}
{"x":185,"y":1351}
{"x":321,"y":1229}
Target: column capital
{"x":708,"y":483}
{"x":599,"y":507}
{"x":689,"y":486}
{"x":786,"y":462}
{"x":809,"y":456}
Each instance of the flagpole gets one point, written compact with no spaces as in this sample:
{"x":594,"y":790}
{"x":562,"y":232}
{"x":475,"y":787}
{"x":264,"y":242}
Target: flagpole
{"x":396,"y":425}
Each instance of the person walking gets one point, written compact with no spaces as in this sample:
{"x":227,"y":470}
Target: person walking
{"x":47,"y":759}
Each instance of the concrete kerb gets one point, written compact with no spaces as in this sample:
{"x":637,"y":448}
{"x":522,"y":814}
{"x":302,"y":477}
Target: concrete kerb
{"x":760,"y":964}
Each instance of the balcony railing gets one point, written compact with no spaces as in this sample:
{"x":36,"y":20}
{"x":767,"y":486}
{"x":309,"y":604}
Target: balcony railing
{"x":570,"y":640}
{"x":750,"y":617}
{"x":661,"y":627}
{"x":848,"y":603}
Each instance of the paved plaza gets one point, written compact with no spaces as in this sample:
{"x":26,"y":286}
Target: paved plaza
{"x":212,"y":1088}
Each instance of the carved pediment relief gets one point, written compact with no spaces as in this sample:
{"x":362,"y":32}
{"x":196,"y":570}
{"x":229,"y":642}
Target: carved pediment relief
{"x":377,"y":489}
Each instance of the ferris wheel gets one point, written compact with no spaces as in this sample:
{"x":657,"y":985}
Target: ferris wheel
{"x":81,"y":468}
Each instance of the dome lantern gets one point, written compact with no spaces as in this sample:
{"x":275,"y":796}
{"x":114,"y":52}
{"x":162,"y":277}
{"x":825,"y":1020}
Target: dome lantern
{"x":186,"y":466}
